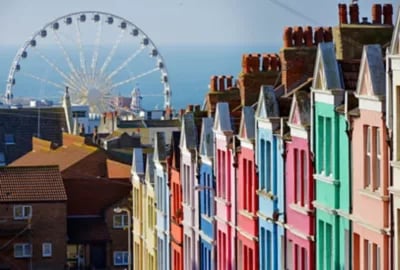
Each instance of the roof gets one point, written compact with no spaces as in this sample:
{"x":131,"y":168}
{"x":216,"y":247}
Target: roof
{"x":149,"y":177}
{"x":189,"y":132}
{"x":372,"y":70}
{"x":300,"y":111}
{"x":160,"y":153}
{"x":87,"y":230}
{"x":150,"y":123}
{"x":33,"y":184}
{"x":268,"y":105}
{"x":222,"y":117}
{"x":91,"y":196}
{"x":326,"y":70}
{"x":206,"y":137}
{"x":175,"y":150}
{"x":117,"y":169}
{"x":137,"y":161}
{"x":247,"y":124}
{"x":394,"y":45}
{"x":69,"y":158}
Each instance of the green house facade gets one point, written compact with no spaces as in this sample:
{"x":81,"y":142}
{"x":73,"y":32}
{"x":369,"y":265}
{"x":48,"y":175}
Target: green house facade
{"x":331,"y":157}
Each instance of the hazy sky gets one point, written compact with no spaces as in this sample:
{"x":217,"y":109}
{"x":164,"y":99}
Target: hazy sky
{"x":184,"y":21}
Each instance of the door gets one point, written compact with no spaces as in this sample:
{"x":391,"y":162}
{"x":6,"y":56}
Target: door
{"x":98,"y":256}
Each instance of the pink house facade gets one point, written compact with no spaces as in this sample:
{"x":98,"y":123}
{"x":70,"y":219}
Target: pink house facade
{"x":225,"y":193}
{"x":300,"y":233}
{"x":247,"y":220}
{"x":370,"y":193}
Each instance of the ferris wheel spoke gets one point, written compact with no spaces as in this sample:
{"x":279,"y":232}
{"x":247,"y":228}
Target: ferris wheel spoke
{"x":80,"y":47}
{"x":71,"y":66}
{"x":43,"y":80}
{"x":133,"y":78}
{"x":112,"y":51}
{"x":125,"y":63}
{"x":95,"y":55}
{"x":55,"y":68}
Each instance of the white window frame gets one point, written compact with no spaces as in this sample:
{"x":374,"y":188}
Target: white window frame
{"x":26,"y":249}
{"x":124,"y":221}
{"x":124,"y":256}
{"x":23,"y":211}
{"x":47,"y":249}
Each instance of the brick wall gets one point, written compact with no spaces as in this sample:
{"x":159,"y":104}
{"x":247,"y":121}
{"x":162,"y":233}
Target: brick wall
{"x":48,"y":224}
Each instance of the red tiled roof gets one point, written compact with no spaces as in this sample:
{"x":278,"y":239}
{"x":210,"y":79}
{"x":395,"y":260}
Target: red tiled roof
{"x":74,"y":159}
{"x":117,"y":169}
{"x":92,"y":195}
{"x":38,"y":183}
{"x":87,"y":230}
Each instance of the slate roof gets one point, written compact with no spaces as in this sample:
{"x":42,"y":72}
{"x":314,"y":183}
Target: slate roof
{"x":326,"y":59}
{"x":151,"y":123}
{"x":91,"y":196}
{"x":206,"y":140}
{"x":150,"y":168}
{"x":189,"y":132}
{"x":31,"y":184}
{"x":137,"y":161}
{"x":248,"y":122}
{"x":268,"y":105}
{"x":301,"y":101}
{"x":160,"y":152}
{"x":222,"y":117}
{"x":373,"y":61}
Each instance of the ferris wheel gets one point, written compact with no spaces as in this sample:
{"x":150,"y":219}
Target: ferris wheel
{"x":98,"y":56}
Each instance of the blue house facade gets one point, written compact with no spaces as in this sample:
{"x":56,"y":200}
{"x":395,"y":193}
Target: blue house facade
{"x":270,"y":162}
{"x":162,"y":200}
{"x":206,"y":196}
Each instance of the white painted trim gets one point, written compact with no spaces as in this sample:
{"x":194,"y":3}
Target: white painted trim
{"x":264,"y":125}
{"x":247,"y":235}
{"x":300,"y":234}
{"x":326,"y":179}
{"x":371,"y":105}
{"x":298,"y":131}
{"x":246,"y":144}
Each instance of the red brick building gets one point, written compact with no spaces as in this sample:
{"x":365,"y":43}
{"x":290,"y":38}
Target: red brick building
{"x":33,"y":224}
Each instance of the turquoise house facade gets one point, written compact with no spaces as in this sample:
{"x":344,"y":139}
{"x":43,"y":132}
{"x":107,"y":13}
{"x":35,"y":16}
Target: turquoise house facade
{"x":332,"y":161}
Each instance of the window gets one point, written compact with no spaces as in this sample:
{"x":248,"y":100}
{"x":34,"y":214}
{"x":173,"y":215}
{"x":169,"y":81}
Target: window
{"x":9,"y":139}
{"x":47,"y":249}
{"x":325,"y":154}
{"x":372,"y":157}
{"x":120,"y":257}
{"x":305,"y":177}
{"x":22,"y":250}
{"x":22,"y":211}
{"x":120,"y":221}
{"x":268,"y":168}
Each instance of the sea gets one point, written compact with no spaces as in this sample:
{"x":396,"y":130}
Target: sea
{"x":189,"y":69}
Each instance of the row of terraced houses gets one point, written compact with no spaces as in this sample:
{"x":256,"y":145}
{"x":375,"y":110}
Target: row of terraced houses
{"x":294,"y":165}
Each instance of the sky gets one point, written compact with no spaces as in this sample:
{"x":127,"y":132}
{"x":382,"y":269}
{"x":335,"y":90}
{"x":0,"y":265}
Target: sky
{"x":184,"y":22}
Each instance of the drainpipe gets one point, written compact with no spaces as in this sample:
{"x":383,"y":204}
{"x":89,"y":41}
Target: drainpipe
{"x":349,"y":130}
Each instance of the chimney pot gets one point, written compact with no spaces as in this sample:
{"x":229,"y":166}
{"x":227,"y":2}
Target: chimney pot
{"x":214,"y":83}
{"x":307,"y":36}
{"x":288,"y":37}
{"x":318,"y":35}
{"x":354,"y":14}
{"x":221,"y":82}
{"x":388,"y":14}
{"x":328,"y":37}
{"x":298,"y":36}
{"x":265,"y":62}
{"x":273,"y":62}
{"x":229,"y":80}
{"x":342,"y":13}
{"x":377,"y":14}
